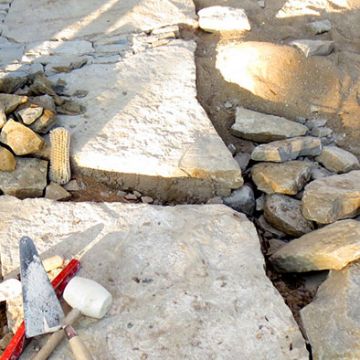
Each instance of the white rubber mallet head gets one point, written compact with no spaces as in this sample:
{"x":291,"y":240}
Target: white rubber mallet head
{"x":88,"y":296}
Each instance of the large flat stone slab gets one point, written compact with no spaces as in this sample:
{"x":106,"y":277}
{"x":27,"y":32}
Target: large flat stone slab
{"x":187,"y":281}
{"x":68,"y":19}
{"x":144,"y":128}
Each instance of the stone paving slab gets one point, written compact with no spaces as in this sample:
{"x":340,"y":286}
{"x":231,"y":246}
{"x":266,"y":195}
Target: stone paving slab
{"x":188,"y":281}
{"x":144,"y":128}
{"x":29,"y":20}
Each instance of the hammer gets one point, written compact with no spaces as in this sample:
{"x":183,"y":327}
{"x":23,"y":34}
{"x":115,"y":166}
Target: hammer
{"x":86,"y":297}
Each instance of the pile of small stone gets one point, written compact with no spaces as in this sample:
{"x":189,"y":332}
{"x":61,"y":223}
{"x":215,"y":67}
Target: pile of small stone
{"x":27,"y":114}
{"x":306,"y":188}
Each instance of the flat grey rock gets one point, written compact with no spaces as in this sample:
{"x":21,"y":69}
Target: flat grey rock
{"x":330,"y":248}
{"x":259,"y":127}
{"x":319,"y":27}
{"x":338,"y":160}
{"x":289,"y":149}
{"x":314,"y":47}
{"x":29,"y":179}
{"x":174,"y":280}
{"x":332,"y":319}
{"x":147,"y":130}
{"x":284,"y":213}
{"x":65,"y":19}
{"x":332,"y":198}
{"x":242,"y":200}
{"x":223,"y":18}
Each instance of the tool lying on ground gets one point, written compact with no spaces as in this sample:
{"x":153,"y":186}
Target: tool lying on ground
{"x":42,"y":310}
{"x":86,"y":297}
{"x":18,"y":342}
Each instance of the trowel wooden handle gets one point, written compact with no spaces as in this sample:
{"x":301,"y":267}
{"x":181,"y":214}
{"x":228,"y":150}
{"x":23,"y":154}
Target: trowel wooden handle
{"x":55,"y":339}
{"x":78,"y":348}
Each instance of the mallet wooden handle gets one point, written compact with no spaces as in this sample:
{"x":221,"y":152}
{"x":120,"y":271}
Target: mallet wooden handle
{"x":78,"y":348}
{"x":55,"y":339}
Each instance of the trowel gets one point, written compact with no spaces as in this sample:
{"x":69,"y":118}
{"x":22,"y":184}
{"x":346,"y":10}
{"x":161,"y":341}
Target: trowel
{"x":42,"y":310}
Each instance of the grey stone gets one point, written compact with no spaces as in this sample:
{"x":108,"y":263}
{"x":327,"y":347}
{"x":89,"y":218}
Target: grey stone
{"x":314,"y":47}
{"x":284,"y":213}
{"x":51,"y":20}
{"x":338,"y":160}
{"x":72,"y":185}
{"x":319,"y":27}
{"x":242,"y":200}
{"x":217,"y":200}
{"x":45,"y":101}
{"x":184,"y":159}
{"x":255,"y":126}
{"x":56,"y":192}
{"x":314,"y":123}
{"x":331,"y":247}
{"x":289,"y":149}
{"x":232,"y":149}
{"x":65,"y":64}
{"x":318,"y":172}
{"x":147,"y":199}
{"x":331,"y":320}
{"x":283,"y":178}
{"x":260,"y":203}
{"x":332,"y":198}
{"x":203,"y":264}
{"x":274,"y":245}
{"x":243,"y":160}
{"x":223,"y":18}
{"x":11,"y":81}
{"x":29,"y":179}
{"x":10,"y":102}
{"x":265,"y":226}
{"x":321,"y":132}
{"x":29,"y":114}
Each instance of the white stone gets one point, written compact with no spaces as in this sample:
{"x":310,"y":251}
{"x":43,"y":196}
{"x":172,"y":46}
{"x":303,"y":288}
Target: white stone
{"x":223,"y":18}
{"x":65,"y":19}
{"x":187,"y":281}
{"x":145,"y":130}
{"x":314,"y":47}
{"x":10,"y":53}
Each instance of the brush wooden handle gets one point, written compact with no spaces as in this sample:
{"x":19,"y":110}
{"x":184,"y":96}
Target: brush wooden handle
{"x":55,"y":339}
{"x":78,"y":348}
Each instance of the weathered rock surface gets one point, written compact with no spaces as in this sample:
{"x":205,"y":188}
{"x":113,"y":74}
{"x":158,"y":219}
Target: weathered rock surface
{"x":55,"y":191}
{"x":331,"y":247}
{"x":45,"y":122}
{"x":242,"y":200}
{"x":331,"y":320}
{"x":332,"y":198}
{"x":209,"y":289}
{"x":314,"y":47}
{"x":289,"y":149}
{"x":166,"y":146}
{"x":29,"y":179}
{"x":284,"y":178}
{"x":30,"y":114}
{"x":10,"y":102}
{"x":223,"y":18}
{"x":284,"y":213}
{"x":47,"y":20}
{"x":7,"y":160}
{"x":338,"y":160}
{"x":319,"y":27}
{"x":321,"y":132}
{"x":255,"y":126}
{"x":20,"y":139}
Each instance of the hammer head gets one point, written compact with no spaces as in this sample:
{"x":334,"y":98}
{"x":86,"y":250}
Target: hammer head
{"x":88,"y":296}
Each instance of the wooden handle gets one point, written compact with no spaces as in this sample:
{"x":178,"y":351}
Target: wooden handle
{"x":78,"y":348}
{"x":55,"y":339}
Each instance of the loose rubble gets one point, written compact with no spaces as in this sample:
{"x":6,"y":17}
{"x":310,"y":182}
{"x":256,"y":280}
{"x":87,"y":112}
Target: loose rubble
{"x":329,"y":248}
{"x":242,"y":200}
{"x":338,"y":160}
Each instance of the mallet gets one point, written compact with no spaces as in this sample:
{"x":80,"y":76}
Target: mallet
{"x":86,"y":297}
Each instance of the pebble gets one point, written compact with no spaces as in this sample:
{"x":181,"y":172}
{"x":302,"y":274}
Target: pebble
{"x":130,"y":197}
{"x":242,"y":200}
{"x":313,"y":123}
{"x":147,"y":199}
{"x":72,"y":185}
{"x":319,"y":27}
{"x":56,"y":192}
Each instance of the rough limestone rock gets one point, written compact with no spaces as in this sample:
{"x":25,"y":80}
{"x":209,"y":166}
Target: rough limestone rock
{"x":331,"y":320}
{"x":223,"y":18}
{"x":255,"y":126}
{"x":331,"y":247}
{"x":284,"y":213}
{"x":166,"y":145}
{"x":258,"y":69}
{"x":314,"y":47}
{"x":332,"y":198}
{"x":7,"y":160}
{"x":284,"y":178}
{"x":56,"y":192}
{"x":180,"y":290}
{"x":242,"y":200}
{"x":47,"y":19}
{"x":319,"y":27}
{"x":20,"y":139}
{"x":289,"y":149}
{"x":10,"y":102}
{"x":338,"y":160}
{"x":45,"y":122}
{"x":29,"y":114}
{"x":29,"y":179}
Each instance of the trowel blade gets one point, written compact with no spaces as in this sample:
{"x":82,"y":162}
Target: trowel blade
{"x":42,"y":310}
